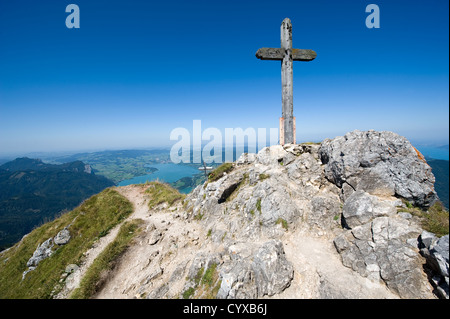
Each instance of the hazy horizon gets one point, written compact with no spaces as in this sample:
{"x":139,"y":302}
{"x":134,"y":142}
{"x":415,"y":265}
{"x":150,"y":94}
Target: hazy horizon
{"x":45,"y":154}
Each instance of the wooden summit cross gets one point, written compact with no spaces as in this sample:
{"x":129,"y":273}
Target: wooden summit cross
{"x":286,"y":54}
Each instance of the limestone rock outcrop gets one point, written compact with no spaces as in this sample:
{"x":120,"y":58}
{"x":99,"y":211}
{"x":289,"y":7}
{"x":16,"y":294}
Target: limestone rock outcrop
{"x":346,"y":190}
{"x":380,"y":163}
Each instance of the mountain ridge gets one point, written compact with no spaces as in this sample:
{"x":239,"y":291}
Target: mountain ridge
{"x":34,"y":192}
{"x":343,"y":219}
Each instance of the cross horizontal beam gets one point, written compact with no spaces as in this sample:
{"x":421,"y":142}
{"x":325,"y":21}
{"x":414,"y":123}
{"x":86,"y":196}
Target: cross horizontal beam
{"x":278,"y":54}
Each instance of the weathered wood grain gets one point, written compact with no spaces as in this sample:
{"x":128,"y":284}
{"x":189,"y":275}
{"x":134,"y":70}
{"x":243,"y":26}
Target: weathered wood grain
{"x":276,"y":54}
{"x":287,"y":80}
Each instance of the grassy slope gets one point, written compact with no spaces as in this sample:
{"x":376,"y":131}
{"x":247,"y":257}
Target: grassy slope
{"x":32,"y":197}
{"x":94,"y":277}
{"x":162,"y":192}
{"x":91,"y":220}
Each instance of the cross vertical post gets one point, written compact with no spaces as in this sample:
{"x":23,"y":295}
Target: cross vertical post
{"x":287,"y":78}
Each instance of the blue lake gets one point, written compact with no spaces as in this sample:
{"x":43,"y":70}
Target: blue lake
{"x":168,"y":173}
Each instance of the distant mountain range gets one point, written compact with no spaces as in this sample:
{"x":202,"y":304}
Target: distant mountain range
{"x":117,"y":165}
{"x":33,"y":192}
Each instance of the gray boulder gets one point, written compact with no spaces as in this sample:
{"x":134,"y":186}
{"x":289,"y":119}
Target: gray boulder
{"x":326,"y":210}
{"x":246,"y":159}
{"x":426,"y":239}
{"x":379,"y":250}
{"x":45,"y":250}
{"x":361,"y":207}
{"x":42,"y":252}
{"x":71,"y":268}
{"x":62,"y":237}
{"x":265,"y":272}
{"x":436,"y":252}
{"x":155,"y":237}
{"x":273,"y":273}
{"x":380,"y":163}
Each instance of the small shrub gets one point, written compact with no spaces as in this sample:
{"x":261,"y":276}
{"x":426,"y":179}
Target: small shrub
{"x":263,"y":176}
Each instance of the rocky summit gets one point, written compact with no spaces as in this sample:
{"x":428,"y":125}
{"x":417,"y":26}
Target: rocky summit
{"x":326,"y":220}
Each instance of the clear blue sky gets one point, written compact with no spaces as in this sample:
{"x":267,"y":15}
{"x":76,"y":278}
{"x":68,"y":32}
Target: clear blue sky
{"x":137,"y":69}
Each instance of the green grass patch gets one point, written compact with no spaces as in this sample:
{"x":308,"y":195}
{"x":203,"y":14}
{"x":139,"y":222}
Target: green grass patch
{"x":434,"y":220}
{"x":210,"y":275}
{"x":206,"y":283}
{"x":87,"y":223}
{"x":199,"y":216}
{"x":263,"y":176}
{"x":161,"y":192}
{"x":188,"y":293}
{"x":258,"y":205}
{"x":220,"y":171}
{"x":199,"y":275}
{"x":95,"y":275}
{"x":283,"y":223}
